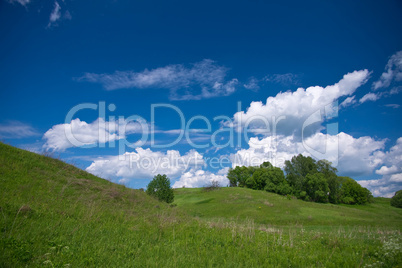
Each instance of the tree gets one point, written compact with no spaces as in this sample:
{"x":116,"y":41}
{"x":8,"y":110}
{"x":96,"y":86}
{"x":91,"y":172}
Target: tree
{"x":353,"y":193}
{"x":316,"y":187}
{"x":239,"y":175}
{"x":297,"y":169}
{"x":160,"y":188}
{"x":269,"y":178}
{"x":233,"y":177}
{"x":325,"y":167}
{"x":258,"y":180}
{"x":266,"y":165}
{"x":396,"y":200}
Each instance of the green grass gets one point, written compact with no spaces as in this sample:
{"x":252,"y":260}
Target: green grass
{"x":268,"y":208}
{"x":55,"y":215}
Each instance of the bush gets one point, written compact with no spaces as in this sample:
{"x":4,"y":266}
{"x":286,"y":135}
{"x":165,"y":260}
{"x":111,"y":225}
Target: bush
{"x":396,"y":200}
{"x":303,"y":195}
{"x":214,"y":185}
{"x":160,"y":188}
{"x":284,"y":189}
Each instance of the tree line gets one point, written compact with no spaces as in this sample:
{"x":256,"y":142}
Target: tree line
{"x":305,"y":178}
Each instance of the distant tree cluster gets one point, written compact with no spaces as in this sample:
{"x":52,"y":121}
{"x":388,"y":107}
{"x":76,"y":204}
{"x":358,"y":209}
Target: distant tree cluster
{"x":305,"y":178}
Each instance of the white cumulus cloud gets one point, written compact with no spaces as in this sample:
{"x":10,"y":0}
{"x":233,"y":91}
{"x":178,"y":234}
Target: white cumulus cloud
{"x":200,"y":178}
{"x":384,"y":170}
{"x":396,"y":178}
{"x":79,"y":133}
{"x":145,"y":164}
{"x":391,"y":180}
{"x":352,"y":156}
{"x":295,"y":107}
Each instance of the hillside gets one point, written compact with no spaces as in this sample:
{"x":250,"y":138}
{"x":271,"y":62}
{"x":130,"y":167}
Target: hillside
{"x":56,"y":215}
{"x":55,"y":212}
{"x":270,"y":208}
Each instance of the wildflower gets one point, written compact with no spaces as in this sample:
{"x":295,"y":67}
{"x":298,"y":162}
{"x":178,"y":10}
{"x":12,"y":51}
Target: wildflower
{"x":48,"y":262}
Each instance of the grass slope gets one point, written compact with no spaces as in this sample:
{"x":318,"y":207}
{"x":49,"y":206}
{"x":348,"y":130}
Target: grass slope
{"x":55,"y":215}
{"x":268,"y":208}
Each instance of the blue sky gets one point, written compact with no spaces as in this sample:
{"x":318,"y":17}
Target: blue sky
{"x":280,"y":62}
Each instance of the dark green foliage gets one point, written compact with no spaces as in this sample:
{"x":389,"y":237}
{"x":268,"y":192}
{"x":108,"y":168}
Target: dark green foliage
{"x":160,"y":188}
{"x":297,"y":169}
{"x":269,"y":178}
{"x":316,"y":187}
{"x":284,"y":189}
{"x":324,"y":167}
{"x":354,"y":193}
{"x":258,"y":180}
{"x":396,"y":200}
{"x":306,"y":178}
{"x":239,"y":175}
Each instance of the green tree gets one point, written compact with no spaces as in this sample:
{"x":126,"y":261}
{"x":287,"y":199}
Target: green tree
{"x":266,"y":165}
{"x":239,"y":175}
{"x":325,"y":167}
{"x":160,"y":188}
{"x":233,"y":177}
{"x":297,"y":169}
{"x":316,"y":187}
{"x":396,"y":200}
{"x":258,"y":180}
{"x":269,"y":178}
{"x":353,"y":193}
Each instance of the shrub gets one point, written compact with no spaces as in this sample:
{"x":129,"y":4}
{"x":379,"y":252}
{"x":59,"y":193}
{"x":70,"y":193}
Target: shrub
{"x":160,"y":188}
{"x":284,"y":189}
{"x":214,"y":185}
{"x":303,"y":195}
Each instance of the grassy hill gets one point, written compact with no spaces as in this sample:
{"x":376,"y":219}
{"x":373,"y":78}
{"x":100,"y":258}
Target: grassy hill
{"x":272,"y":209}
{"x":55,"y":215}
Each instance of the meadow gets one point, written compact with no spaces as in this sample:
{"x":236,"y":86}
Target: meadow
{"x":55,"y":215}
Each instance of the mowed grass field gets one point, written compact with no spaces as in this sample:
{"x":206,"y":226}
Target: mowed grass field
{"x":55,"y":215}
